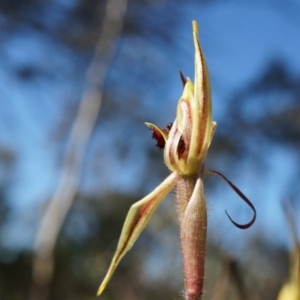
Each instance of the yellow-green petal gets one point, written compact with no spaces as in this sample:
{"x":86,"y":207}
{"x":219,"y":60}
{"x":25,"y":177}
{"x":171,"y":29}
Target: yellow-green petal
{"x":201,"y":105}
{"x":290,"y":291}
{"x":136,"y":220}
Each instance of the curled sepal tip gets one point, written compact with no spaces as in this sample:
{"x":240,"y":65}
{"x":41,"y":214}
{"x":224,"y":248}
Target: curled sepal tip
{"x":136,"y":220}
{"x":244,"y":198}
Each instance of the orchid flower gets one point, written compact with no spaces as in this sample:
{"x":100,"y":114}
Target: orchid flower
{"x":185,"y":143}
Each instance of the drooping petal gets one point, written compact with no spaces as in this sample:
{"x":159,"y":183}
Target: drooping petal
{"x":136,"y":220}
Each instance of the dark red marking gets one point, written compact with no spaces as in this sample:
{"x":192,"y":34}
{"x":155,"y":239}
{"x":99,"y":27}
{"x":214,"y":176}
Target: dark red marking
{"x":160,"y":141}
{"x":180,"y":147}
{"x":169,"y":126}
{"x":183,"y":80}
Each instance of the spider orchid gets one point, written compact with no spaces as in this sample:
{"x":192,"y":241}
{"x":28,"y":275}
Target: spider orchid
{"x":185,"y":143}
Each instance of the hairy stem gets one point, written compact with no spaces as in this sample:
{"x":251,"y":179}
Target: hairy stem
{"x":184,"y":190}
{"x":193,"y":235}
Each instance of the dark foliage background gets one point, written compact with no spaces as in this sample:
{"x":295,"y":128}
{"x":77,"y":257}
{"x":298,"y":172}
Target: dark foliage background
{"x":45,"y":50}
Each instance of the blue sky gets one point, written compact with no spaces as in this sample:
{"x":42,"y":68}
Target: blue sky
{"x":239,"y":40}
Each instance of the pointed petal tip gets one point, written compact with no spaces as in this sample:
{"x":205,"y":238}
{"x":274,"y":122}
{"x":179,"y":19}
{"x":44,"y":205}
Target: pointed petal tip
{"x":137,"y":218}
{"x":100,"y":290}
{"x":188,"y":91}
{"x":195,"y":32}
{"x":107,"y":277}
{"x":195,"y":26}
{"x":150,"y":125}
{"x":196,"y":39}
{"x":182,"y":78}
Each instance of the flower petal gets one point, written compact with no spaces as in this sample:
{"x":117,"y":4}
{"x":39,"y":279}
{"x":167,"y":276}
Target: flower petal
{"x":161,"y":135}
{"x":136,"y":220}
{"x":201,"y":105}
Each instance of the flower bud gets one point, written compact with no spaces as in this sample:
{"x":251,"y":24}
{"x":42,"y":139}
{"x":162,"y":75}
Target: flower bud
{"x":193,"y":241}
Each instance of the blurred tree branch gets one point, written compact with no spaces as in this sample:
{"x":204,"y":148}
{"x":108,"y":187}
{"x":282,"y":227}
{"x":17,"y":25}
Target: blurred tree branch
{"x":89,"y":107}
{"x":229,"y":284}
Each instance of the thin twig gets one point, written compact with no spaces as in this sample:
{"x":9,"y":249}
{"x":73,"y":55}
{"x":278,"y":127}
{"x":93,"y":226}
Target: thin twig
{"x":83,"y":125}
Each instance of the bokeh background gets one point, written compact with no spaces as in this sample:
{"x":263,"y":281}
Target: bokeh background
{"x":78,"y":79}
